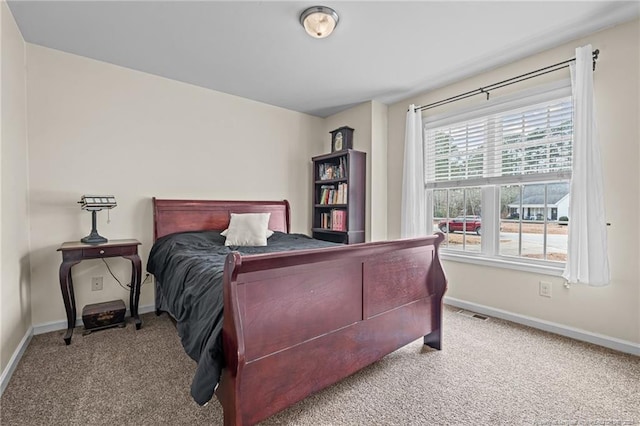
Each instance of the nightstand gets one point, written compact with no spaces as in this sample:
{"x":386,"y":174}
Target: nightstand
{"x":75,"y":252}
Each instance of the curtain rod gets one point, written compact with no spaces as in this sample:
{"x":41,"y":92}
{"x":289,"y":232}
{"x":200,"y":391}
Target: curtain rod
{"x":487,"y":89}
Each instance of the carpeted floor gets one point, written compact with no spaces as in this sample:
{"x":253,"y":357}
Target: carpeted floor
{"x":489,"y":373}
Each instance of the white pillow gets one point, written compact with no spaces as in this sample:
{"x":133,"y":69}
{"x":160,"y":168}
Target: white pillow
{"x":247,"y":229}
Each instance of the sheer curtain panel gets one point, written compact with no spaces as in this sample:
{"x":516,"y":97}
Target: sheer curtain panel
{"x":413,"y":217}
{"x":587,"y":258}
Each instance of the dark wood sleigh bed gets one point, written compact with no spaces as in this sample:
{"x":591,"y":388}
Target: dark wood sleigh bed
{"x":297,"y":322}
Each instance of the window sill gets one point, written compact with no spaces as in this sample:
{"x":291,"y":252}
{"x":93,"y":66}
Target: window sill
{"x":505,"y":263}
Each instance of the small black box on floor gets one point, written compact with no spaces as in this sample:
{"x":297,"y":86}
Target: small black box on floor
{"x":103,"y":315}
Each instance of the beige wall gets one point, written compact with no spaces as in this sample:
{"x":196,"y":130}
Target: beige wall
{"x":379,"y":134}
{"x":15,"y":303}
{"x":369,"y":121}
{"x":614,"y":310}
{"x":99,"y":128}
{"x":359,"y":119}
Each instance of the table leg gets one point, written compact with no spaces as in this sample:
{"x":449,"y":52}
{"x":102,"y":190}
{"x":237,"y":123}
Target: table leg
{"x":72,"y":295}
{"x":134,"y":296}
{"x":66,"y":286}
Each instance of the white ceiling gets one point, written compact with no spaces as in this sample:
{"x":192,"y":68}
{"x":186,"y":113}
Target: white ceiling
{"x":381,"y":50}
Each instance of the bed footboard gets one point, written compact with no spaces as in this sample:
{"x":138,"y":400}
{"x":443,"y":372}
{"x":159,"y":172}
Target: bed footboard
{"x":297,"y":322}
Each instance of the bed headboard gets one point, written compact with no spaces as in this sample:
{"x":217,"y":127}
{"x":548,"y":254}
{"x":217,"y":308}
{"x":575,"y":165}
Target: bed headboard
{"x":171,"y":216}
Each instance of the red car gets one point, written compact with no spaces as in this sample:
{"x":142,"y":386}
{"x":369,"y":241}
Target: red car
{"x":462,"y":224}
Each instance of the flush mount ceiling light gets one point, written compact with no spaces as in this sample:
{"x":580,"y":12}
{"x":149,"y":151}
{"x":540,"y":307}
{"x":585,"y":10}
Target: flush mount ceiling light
{"x":319,"y":21}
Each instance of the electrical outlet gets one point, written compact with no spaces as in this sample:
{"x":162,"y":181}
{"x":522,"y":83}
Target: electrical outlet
{"x":545,"y":288}
{"x":96,"y":283}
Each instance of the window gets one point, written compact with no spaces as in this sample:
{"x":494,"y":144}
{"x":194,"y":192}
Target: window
{"x":497,"y":179}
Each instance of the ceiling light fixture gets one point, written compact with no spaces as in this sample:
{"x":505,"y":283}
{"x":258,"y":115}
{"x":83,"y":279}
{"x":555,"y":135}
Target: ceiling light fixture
{"x":319,"y":21}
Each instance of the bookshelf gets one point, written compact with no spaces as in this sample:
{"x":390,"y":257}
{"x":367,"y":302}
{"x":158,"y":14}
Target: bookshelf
{"x":339,"y":196}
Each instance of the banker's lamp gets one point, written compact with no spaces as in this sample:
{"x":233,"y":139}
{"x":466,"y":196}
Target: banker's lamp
{"x":94,"y":203}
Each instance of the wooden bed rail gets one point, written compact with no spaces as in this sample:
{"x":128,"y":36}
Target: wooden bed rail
{"x":297,"y":322}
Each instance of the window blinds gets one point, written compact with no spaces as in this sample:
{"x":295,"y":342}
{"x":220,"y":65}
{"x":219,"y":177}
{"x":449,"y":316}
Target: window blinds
{"x":530,"y":144}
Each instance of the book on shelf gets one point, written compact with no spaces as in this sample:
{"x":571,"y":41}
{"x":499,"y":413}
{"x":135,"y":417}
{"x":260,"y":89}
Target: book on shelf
{"x":339,"y":220}
{"x":325,"y":194}
{"x":342,"y":193}
{"x":328,"y":171}
{"x":333,"y":194}
{"x":336,"y":220}
{"x":325,"y":221}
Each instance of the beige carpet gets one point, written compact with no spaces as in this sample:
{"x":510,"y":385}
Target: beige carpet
{"x":489,"y":373}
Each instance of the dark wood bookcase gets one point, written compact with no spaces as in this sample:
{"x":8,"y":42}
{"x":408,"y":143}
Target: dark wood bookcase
{"x":339,"y":196}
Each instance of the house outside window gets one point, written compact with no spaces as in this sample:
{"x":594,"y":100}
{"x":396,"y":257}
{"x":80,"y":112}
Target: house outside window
{"x":497,"y":179}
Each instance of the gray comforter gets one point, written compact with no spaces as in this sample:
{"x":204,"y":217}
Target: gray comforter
{"x":188,"y":270}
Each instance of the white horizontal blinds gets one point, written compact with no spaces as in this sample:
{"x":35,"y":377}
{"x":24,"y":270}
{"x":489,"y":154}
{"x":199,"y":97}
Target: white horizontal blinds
{"x":457,"y":152}
{"x":535,"y":140}
{"x":528,"y":144}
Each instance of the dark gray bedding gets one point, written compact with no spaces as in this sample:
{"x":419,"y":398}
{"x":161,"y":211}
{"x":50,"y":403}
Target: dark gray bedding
{"x":188,"y":270}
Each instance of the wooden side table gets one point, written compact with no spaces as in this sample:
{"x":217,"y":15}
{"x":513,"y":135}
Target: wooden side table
{"x":75,"y":252}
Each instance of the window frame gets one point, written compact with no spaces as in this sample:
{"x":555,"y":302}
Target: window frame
{"x":489,"y":252}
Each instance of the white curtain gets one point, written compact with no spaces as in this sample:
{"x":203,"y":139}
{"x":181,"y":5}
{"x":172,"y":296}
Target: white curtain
{"x":587,"y":260}
{"x":414,"y":219}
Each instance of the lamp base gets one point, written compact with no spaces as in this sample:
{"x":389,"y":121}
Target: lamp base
{"x":94,"y":238}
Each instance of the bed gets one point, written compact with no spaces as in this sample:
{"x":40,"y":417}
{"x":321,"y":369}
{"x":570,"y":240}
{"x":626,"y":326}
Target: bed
{"x":294,"y":321}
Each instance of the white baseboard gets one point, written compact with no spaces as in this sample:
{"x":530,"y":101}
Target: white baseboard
{"x":552,"y":327}
{"x":15,"y":358}
{"x":41,"y":329}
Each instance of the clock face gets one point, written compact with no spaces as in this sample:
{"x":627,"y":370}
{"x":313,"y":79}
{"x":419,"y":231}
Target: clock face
{"x":338,"y":144}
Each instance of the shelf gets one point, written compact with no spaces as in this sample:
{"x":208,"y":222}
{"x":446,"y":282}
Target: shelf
{"x":332,"y":155}
{"x":329,"y":181}
{"x":332,"y":206}
{"x":328,"y":231}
